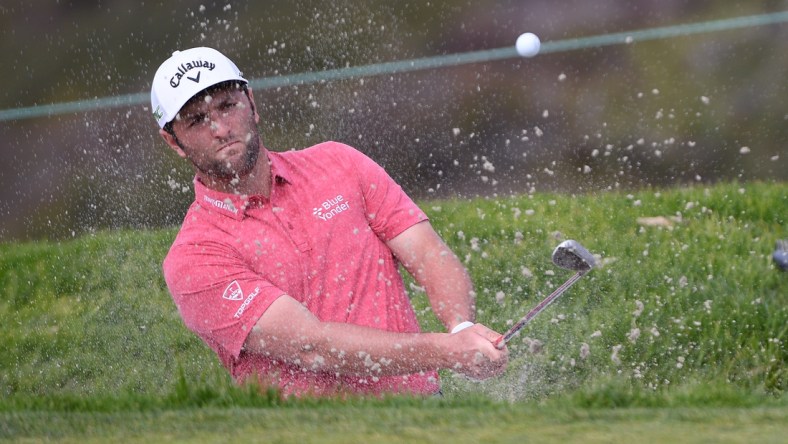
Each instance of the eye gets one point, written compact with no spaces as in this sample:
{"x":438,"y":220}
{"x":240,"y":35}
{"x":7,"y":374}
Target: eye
{"x":196,"y":119}
{"x":229,"y":104}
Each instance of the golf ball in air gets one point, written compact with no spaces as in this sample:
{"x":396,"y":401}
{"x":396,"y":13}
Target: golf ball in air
{"x":527,"y":45}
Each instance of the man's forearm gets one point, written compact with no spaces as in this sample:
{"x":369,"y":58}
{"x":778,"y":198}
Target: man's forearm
{"x":288,"y":332}
{"x":350,"y":349}
{"x":436,"y":268}
{"x":450,"y":292}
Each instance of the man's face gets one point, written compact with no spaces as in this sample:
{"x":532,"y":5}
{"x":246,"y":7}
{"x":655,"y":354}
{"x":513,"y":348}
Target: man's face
{"x":218,"y":133}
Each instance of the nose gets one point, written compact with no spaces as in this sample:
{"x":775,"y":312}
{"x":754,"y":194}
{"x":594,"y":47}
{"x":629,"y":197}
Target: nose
{"x":218,"y":125}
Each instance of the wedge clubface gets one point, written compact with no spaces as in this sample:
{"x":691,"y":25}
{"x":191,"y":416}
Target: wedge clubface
{"x":569,"y":255}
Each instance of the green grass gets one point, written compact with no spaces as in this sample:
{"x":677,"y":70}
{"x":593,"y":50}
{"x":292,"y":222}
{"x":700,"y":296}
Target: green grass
{"x":428,"y":423}
{"x":94,"y":350}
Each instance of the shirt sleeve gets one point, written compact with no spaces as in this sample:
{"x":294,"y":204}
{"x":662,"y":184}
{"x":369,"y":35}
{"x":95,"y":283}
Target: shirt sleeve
{"x":389,"y":210}
{"x":218,"y":296}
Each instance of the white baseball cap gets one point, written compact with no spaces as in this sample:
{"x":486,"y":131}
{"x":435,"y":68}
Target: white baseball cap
{"x":184,"y":75}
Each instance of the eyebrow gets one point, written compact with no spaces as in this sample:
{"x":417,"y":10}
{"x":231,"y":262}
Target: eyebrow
{"x":217,"y":98}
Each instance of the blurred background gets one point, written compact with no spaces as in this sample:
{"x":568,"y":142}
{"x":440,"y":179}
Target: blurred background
{"x":682,"y":110}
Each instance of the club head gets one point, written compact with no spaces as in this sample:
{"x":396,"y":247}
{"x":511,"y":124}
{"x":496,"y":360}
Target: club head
{"x":780,"y":254}
{"x":570,"y":255}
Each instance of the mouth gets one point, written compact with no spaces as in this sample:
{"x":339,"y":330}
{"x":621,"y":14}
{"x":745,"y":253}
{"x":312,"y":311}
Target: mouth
{"x":227,"y":146}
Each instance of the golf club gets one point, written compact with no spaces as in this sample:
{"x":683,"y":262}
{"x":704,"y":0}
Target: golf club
{"x":569,"y":255}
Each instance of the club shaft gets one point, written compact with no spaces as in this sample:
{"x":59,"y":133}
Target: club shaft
{"x":538,"y":309}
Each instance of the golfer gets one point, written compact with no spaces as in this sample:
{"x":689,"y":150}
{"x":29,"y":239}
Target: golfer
{"x":287,"y":264}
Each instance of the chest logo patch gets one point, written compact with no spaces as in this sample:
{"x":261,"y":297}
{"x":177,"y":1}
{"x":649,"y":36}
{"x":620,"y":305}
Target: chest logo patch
{"x":331,"y":207}
{"x":233,"y":292}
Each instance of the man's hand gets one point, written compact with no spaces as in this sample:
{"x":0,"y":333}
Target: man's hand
{"x":475,"y":355}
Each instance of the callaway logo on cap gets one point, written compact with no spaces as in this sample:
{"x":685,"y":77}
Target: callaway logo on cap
{"x":184,"y":75}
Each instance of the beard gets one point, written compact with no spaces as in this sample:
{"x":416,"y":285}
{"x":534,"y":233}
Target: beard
{"x":233,"y":167}
{"x":225,"y":170}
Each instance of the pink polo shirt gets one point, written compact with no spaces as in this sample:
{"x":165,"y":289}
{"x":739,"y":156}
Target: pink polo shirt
{"x":320,"y":239}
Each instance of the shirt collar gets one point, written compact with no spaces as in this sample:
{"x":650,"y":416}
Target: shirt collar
{"x":280,"y":168}
{"x":235,"y":205}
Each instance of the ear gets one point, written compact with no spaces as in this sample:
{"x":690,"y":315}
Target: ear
{"x":170,"y":139}
{"x":250,"y":95}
